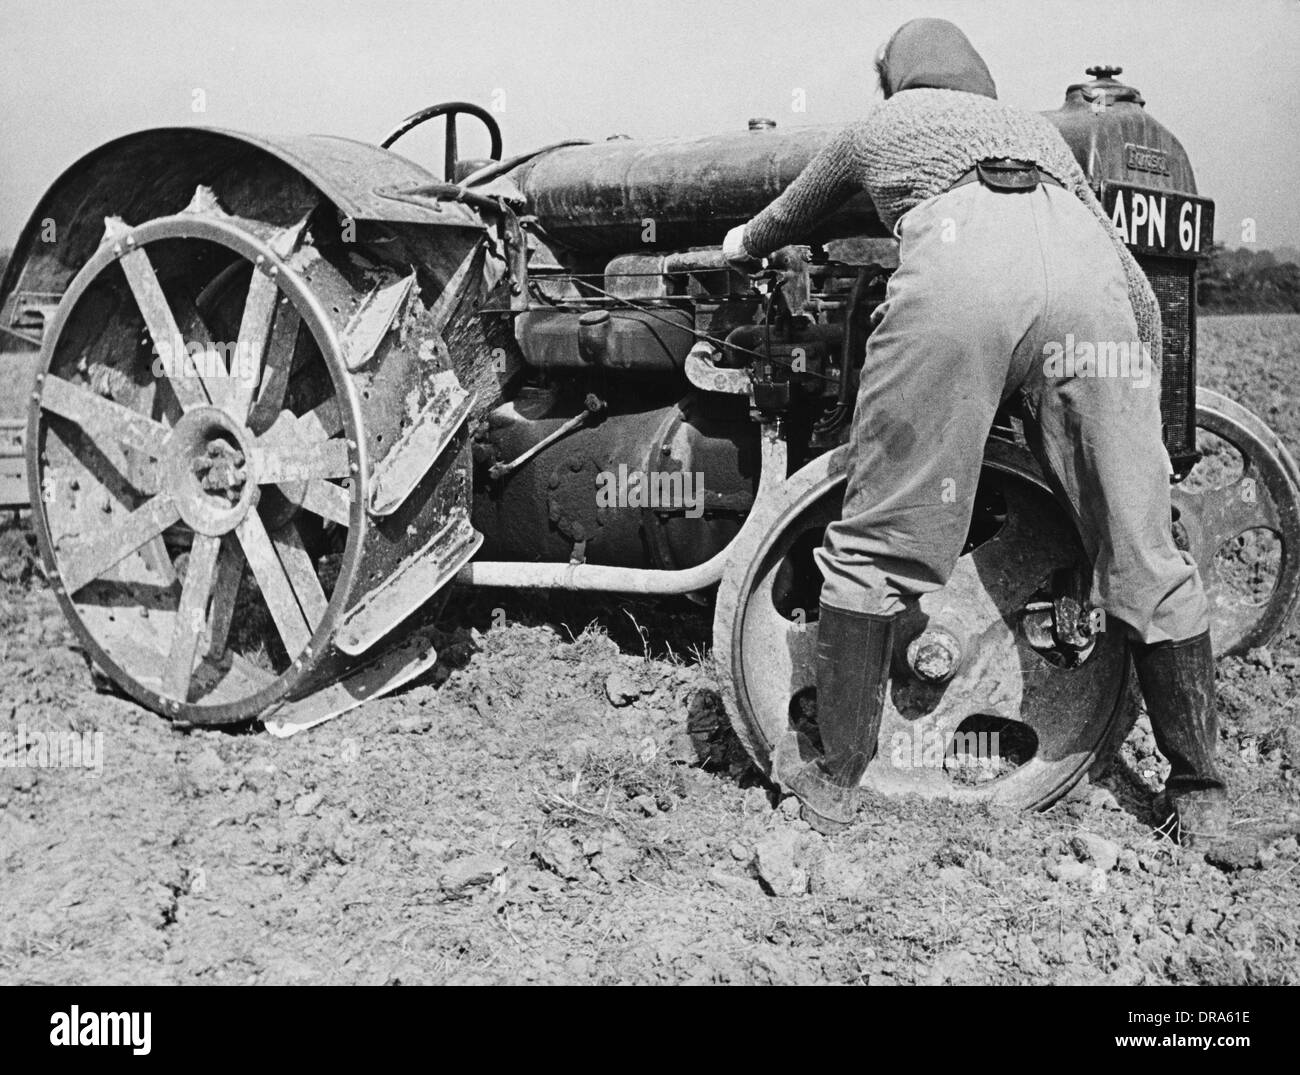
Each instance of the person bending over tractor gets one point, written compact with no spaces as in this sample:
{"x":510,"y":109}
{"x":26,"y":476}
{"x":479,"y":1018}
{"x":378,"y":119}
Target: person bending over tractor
{"x":1003,"y":252}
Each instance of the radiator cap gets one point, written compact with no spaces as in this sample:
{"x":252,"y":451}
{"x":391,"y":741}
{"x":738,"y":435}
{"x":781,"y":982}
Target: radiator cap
{"x":1103,"y":88}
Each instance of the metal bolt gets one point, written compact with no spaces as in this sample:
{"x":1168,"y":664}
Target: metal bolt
{"x":934,"y":655}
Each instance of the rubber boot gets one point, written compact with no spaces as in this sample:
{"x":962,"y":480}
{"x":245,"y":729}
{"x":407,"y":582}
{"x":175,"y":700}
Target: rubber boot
{"x":1177,"y":680}
{"x":853,"y":654}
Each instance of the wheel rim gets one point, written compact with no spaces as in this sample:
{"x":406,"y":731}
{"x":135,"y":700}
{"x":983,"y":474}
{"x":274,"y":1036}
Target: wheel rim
{"x":1003,"y":685}
{"x":1238,"y":514}
{"x":171,"y":506}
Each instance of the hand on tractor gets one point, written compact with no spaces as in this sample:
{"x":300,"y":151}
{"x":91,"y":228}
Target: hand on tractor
{"x":733,"y":249}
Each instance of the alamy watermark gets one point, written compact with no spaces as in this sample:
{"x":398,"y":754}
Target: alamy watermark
{"x":129,"y":1029}
{"x":23,"y":749}
{"x":1126,"y":359}
{"x":929,"y":748}
{"x":197,"y":358}
{"x":676,"y":490}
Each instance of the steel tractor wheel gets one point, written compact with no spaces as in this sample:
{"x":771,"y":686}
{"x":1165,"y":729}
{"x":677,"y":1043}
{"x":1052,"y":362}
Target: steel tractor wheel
{"x":225,"y":538}
{"x":984,"y":702}
{"x":1238,"y":513}
{"x":1001,"y":688}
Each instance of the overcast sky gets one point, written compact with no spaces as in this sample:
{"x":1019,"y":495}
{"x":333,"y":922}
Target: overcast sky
{"x":1225,"y":77}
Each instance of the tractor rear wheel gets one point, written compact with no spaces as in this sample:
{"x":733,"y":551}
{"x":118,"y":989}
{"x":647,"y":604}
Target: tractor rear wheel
{"x":982,"y":705}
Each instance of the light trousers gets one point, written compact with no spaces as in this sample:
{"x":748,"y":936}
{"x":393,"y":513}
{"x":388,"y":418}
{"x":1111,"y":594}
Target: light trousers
{"x":997,"y":295}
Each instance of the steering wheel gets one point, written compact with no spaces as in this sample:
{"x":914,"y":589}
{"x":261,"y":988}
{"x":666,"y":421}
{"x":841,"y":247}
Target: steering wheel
{"x":450,"y":109}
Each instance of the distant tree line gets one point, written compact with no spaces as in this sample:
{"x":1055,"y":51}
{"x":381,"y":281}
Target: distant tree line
{"x":1248,"y":281}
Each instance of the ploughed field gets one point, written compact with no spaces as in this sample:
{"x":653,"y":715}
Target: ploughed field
{"x":536,"y":810}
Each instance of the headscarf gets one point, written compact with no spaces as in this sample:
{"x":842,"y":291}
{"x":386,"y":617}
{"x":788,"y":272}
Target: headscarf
{"x":933,"y":54}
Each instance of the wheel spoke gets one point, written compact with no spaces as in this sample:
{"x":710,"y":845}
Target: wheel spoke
{"x":225,"y":589}
{"x":275,"y":585}
{"x":190,"y":614}
{"x":283,"y":462}
{"x":298,"y":566}
{"x":329,"y":501}
{"x":192,"y":391}
{"x":101,"y":419}
{"x":276,"y":368}
{"x":321,"y":422}
{"x":91,"y":557}
{"x":195,"y":330}
{"x":254,"y":333}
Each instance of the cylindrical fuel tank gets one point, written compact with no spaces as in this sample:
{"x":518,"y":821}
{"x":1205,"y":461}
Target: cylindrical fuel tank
{"x":671,"y":193}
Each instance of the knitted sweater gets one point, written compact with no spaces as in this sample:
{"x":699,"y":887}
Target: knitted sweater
{"x":913,"y":147}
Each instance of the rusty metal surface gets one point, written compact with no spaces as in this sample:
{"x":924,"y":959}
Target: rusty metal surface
{"x":599,"y":197}
{"x":153,"y":173}
{"x":1101,"y":119}
{"x":426,"y":572}
{"x":646,"y":342}
{"x":542,"y":509}
{"x":373,"y":319}
{"x":425,"y":438}
{"x":411,"y":658}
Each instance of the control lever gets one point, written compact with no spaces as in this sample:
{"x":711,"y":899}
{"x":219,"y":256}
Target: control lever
{"x":592,"y":405}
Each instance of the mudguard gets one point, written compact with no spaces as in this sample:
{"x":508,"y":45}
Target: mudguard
{"x":154,"y":173}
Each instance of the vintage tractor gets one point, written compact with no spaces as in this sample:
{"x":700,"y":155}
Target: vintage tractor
{"x":283,"y":393}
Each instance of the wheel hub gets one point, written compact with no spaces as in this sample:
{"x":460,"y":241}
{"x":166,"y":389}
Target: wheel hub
{"x":206,"y":470}
{"x":934,"y":655}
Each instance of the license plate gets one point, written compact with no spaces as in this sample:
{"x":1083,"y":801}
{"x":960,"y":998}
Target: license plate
{"x":1160,"y":221}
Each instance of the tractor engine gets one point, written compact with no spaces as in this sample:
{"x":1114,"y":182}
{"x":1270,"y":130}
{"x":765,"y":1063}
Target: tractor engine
{"x":625,"y":299}
{"x":646,"y":384}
